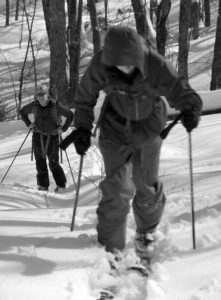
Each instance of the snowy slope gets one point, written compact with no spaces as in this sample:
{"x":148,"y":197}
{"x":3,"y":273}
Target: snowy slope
{"x":41,"y":259}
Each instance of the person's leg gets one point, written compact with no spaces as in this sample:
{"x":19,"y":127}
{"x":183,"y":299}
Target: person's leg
{"x":53,"y":159}
{"x":41,"y":164}
{"x":149,"y":200}
{"x":117,"y":190}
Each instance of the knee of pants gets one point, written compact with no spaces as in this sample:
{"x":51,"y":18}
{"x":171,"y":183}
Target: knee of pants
{"x":118,"y":185}
{"x":159,"y":194}
{"x":151,"y":206}
{"x":148,"y":212}
{"x":53,"y":164}
{"x":150,"y":195}
{"x":115,"y":203}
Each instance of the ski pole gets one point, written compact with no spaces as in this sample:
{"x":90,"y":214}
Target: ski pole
{"x":16,"y":155}
{"x":70,"y":169}
{"x":77,"y":193}
{"x":191,"y":189}
{"x":166,"y":130}
{"x":32,"y":151}
{"x":60,"y":140}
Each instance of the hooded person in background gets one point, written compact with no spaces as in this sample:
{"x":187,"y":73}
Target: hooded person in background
{"x":133,"y":115}
{"x":46,"y":130}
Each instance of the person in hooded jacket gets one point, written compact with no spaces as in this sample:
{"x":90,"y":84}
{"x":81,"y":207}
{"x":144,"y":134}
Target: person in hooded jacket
{"x":134,"y":77}
{"x":47,"y":129}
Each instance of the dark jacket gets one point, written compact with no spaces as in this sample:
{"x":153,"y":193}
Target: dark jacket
{"x":131,"y":101}
{"x":47,"y":119}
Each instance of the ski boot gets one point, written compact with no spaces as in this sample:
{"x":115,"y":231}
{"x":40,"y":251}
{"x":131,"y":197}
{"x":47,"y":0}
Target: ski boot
{"x":144,"y":246}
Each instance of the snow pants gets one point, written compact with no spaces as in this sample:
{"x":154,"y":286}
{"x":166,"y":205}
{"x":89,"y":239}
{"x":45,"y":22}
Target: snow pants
{"x":131,"y":172}
{"x":52,"y":153}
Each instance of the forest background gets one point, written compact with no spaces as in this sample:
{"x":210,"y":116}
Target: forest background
{"x":39,"y":257}
{"x":53,"y":42}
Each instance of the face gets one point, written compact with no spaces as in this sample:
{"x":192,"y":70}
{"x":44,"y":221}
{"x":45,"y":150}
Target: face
{"x":126,"y":69}
{"x":43,"y":99}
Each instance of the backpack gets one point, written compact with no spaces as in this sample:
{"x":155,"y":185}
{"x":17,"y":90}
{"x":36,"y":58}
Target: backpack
{"x":47,"y":119}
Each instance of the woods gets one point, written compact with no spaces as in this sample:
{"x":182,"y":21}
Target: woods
{"x":66,"y":30}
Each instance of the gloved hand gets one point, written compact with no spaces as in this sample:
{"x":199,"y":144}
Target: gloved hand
{"x":82,"y":140}
{"x":31,"y":126}
{"x":190,"y":119}
{"x":60,"y":131}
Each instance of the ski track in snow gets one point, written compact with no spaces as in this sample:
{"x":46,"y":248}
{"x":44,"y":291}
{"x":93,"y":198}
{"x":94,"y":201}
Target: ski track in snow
{"x":40,"y":258}
{"x":89,"y":275}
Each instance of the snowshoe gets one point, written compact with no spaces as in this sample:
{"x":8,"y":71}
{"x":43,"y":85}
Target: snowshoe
{"x":121,"y":266}
{"x":106,"y":294}
{"x":42,"y":188}
{"x":59,"y":189}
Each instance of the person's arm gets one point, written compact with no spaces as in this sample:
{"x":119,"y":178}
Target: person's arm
{"x":175,"y":88}
{"x":68,"y":114}
{"x":91,"y":84}
{"x":25,"y":111}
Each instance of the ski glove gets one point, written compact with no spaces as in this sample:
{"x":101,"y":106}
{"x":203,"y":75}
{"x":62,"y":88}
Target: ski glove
{"x":190,"y":119}
{"x":32,"y":126}
{"x":82,"y":140}
{"x":59,"y":131}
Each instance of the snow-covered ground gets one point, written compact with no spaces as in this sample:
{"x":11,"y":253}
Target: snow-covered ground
{"x":40,"y":258}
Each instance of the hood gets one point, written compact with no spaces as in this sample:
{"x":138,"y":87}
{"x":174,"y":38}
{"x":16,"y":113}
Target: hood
{"x":123,"y":47}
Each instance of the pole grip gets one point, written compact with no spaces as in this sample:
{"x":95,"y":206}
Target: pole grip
{"x":68,"y":140}
{"x":61,"y":156}
{"x":164,"y":133}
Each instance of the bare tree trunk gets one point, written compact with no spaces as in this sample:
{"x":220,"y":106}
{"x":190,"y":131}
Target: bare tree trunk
{"x":74,"y":47}
{"x":143,"y":21}
{"x":13,"y":83}
{"x":207,"y":12}
{"x":17,"y":10}
{"x":94,"y":24}
{"x":194,"y":21}
{"x":55,"y":19}
{"x":7,"y":10}
{"x":163,"y":11}
{"x":21,"y":79}
{"x":71,"y":33}
{"x":30,"y":26}
{"x":216,"y":66}
{"x":105,"y":13}
{"x":184,"y":21}
{"x":22,"y":27}
{"x":153,"y":8}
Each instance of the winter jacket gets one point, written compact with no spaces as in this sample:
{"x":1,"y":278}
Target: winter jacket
{"x":46,"y":119}
{"x":131,"y":101}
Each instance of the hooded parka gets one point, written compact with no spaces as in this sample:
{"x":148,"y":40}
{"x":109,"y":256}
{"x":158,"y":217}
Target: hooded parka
{"x":132,"y":118}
